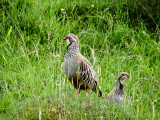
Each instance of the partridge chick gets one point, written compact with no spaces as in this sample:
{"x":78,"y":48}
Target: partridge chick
{"x":117,"y":94}
{"x":78,"y":69}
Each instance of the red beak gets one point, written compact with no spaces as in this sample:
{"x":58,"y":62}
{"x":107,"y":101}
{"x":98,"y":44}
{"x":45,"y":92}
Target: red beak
{"x":65,"y":38}
{"x":128,"y":75}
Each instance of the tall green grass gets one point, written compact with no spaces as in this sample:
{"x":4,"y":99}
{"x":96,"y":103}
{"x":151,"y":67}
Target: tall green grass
{"x":32,"y":81}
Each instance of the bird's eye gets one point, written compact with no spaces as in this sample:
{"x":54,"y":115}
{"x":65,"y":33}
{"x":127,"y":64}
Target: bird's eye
{"x":68,"y":37}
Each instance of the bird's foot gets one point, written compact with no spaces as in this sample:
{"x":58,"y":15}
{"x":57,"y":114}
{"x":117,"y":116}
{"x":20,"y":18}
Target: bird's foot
{"x":78,"y":94}
{"x":86,"y":93}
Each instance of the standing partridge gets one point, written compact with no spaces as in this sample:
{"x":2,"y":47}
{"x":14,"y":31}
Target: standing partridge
{"x":117,"y":94}
{"x":78,"y":69}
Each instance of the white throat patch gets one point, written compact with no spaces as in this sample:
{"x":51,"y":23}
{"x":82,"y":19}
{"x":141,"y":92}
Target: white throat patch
{"x":121,"y":81}
{"x":68,"y":42}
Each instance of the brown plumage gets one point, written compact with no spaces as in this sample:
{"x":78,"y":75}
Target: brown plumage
{"x":117,"y":94}
{"x":77,"y":68}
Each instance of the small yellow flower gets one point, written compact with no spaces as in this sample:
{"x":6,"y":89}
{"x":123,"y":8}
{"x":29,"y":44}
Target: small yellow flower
{"x":137,"y":100}
{"x":62,"y":9}
{"x":58,"y":56}
{"x":85,"y":114}
{"x":42,"y":90}
{"x":23,"y":83}
{"x":92,"y":5}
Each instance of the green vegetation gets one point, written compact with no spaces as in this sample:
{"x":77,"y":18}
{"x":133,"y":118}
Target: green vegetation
{"x":114,"y":36}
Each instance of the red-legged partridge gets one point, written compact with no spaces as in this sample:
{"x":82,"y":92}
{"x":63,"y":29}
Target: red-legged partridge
{"x":117,"y":94}
{"x":78,"y":69}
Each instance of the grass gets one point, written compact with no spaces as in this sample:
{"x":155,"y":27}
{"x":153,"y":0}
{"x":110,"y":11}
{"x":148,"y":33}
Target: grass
{"x":32,"y":81}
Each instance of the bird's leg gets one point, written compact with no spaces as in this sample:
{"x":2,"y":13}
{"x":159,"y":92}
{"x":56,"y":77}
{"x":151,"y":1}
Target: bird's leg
{"x":86,"y":92}
{"x":78,"y":92}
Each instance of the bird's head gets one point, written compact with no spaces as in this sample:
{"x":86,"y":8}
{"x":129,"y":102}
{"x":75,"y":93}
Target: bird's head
{"x":71,"y":38}
{"x":122,"y":76}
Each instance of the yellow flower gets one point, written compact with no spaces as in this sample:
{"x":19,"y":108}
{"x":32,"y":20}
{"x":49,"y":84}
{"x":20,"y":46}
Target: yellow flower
{"x":137,"y":100}
{"x":23,"y":83}
{"x":42,"y":90}
{"x":92,"y":5}
{"x":62,"y":9}
{"x":58,"y":56}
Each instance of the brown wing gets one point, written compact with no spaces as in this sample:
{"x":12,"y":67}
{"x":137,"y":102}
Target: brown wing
{"x":87,"y":75}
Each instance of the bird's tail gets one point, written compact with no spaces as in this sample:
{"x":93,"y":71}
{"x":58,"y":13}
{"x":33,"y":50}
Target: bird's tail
{"x":96,"y":86}
{"x":99,"y":91}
